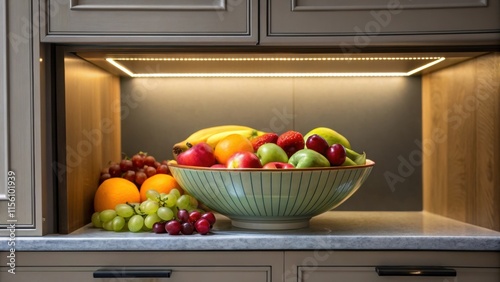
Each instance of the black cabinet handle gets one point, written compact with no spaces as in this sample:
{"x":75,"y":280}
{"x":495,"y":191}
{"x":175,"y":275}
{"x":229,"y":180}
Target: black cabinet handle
{"x":415,"y":271}
{"x":132,"y":273}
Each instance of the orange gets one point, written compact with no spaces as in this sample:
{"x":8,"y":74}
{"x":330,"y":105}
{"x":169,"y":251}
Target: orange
{"x":162,"y":183}
{"x":115,"y":191}
{"x":230,"y":145}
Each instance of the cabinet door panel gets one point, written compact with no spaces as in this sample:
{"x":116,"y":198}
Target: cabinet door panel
{"x":179,"y":274}
{"x":176,"y":21}
{"x":378,"y":22}
{"x":355,"y":274}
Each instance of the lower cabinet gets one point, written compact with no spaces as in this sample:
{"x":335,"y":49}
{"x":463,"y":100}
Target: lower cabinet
{"x":254,"y":266}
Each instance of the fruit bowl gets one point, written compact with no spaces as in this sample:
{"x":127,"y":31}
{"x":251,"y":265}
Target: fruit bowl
{"x":271,"y":199}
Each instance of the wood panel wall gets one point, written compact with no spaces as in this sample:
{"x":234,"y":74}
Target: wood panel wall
{"x":461,"y":141}
{"x":92,"y":138}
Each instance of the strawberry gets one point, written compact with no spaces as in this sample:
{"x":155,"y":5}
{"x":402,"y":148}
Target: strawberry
{"x":269,"y":137}
{"x":291,"y":141}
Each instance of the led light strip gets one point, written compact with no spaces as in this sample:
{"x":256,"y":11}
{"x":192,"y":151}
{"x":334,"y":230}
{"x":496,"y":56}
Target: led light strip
{"x":333,"y":74}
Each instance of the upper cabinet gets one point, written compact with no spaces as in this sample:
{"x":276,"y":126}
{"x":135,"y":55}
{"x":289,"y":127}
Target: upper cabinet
{"x":154,"y":21}
{"x":348,"y":24}
{"x":353,"y":25}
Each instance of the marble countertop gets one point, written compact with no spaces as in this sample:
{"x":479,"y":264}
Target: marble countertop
{"x":332,"y":230}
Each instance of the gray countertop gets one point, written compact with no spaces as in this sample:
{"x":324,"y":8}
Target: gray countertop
{"x":332,"y":230}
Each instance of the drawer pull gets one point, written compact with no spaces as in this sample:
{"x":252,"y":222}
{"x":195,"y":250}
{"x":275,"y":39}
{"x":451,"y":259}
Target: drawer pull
{"x":415,"y":271}
{"x":132,"y":273}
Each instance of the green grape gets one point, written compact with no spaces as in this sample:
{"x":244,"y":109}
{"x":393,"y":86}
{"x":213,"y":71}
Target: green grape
{"x":175,"y":192}
{"x":108,"y":225}
{"x":118,"y":223}
{"x":165,"y":213}
{"x":163,"y":197}
{"x":152,"y":195}
{"x":150,"y":220}
{"x":107,"y":215}
{"x":193,"y":202}
{"x":135,"y":223}
{"x":183,"y":203}
{"x":150,"y":207}
{"x":171,"y":200}
{"x":124,"y":210}
{"x":96,"y":221}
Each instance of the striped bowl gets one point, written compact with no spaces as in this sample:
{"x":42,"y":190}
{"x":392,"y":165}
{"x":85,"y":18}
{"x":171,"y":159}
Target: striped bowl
{"x":271,"y":198}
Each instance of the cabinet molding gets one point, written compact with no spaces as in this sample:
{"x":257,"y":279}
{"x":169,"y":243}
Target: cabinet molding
{"x":198,"y":5}
{"x":4,"y":136}
{"x":347,"y":5}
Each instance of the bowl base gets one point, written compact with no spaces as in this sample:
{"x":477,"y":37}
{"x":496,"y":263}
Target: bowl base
{"x":270,"y":225}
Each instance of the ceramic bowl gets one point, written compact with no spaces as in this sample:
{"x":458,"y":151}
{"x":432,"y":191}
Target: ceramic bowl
{"x":271,"y":198}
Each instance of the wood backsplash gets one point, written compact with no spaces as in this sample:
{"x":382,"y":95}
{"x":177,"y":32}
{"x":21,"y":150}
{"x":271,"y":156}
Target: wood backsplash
{"x":461,"y":141}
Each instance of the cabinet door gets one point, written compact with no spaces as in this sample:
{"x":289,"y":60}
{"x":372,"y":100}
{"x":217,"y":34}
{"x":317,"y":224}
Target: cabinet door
{"x":139,"y":21}
{"x":18,"y":119}
{"x":146,"y":274}
{"x":366,"y":23}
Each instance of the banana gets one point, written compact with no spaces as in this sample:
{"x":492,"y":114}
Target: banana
{"x":357,"y":158}
{"x":331,"y":136}
{"x":248,"y":133}
{"x":202,"y":135}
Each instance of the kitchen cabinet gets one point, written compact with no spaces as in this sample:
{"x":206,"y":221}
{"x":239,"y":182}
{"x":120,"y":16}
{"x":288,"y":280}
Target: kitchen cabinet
{"x":355,"y":25}
{"x":349,"y":25}
{"x":288,"y":266}
{"x":158,"y":21}
{"x":20,"y":122}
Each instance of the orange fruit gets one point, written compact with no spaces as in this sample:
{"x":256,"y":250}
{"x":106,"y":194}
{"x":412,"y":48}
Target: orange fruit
{"x":114,"y":191}
{"x":230,"y":145}
{"x":162,"y":183}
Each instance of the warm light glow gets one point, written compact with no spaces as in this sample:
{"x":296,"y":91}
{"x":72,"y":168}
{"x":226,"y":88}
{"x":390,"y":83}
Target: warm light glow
{"x":436,"y":60}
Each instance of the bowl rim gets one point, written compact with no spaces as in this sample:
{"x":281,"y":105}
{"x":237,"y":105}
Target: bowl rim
{"x":369,"y":163}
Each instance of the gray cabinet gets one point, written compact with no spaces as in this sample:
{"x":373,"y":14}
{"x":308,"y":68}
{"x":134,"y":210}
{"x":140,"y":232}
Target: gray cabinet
{"x":157,"y":21}
{"x":20,"y":117}
{"x":354,"y":25}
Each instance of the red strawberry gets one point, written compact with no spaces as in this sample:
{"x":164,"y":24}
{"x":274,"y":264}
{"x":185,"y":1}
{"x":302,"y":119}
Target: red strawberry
{"x":291,"y":141}
{"x":269,"y":137}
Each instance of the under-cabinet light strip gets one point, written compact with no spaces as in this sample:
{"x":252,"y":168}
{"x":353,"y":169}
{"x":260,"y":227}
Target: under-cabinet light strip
{"x":282,"y":59}
{"x":333,"y":74}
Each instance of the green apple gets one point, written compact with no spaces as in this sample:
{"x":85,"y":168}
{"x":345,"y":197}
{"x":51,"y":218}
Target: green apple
{"x":270,"y":152}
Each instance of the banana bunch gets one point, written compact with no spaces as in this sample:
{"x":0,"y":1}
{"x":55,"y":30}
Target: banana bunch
{"x":212,"y":136}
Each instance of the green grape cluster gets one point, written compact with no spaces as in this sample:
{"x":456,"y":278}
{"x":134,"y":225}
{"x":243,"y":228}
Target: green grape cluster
{"x":137,"y":217}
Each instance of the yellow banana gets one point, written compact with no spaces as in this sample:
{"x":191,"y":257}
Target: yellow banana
{"x":202,"y":135}
{"x":248,"y":133}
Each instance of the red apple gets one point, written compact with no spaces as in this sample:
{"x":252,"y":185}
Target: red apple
{"x":278,"y":165}
{"x":200,"y":154}
{"x":218,"y":166}
{"x":244,"y":160}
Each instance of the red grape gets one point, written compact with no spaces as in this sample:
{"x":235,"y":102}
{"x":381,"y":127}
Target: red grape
{"x":162,"y":169}
{"x":336,"y":154}
{"x":150,"y":171}
{"x":149,"y":160}
{"x":115,"y":170}
{"x":140,"y":177}
{"x":126,"y":165}
{"x":183,"y":215}
{"x":129,"y":175}
{"x":173,"y":227}
{"x":157,"y":164}
{"x":159,"y":227}
{"x":202,"y":226}
{"x":317,"y":143}
{"x":103,"y":177}
{"x":194,"y":216}
{"x":210,"y":217}
{"x":187,"y":228}
{"x":138,"y":160}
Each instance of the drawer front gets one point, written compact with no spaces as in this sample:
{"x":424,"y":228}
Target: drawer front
{"x":177,"y":21}
{"x":178,"y":274}
{"x":355,"y":274}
